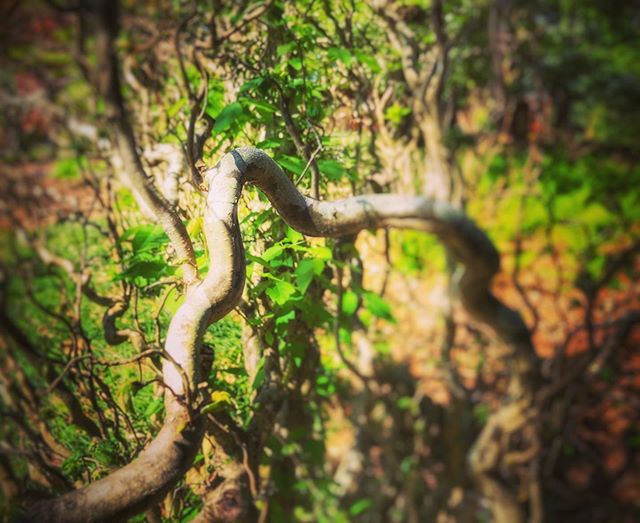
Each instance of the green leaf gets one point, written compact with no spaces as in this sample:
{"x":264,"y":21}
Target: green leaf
{"x":407,"y":464}
{"x":569,"y":236}
{"x":220,"y":399}
{"x":258,"y":380}
{"x":285,"y":48}
{"x":332,"y":169}
{"x":630,"y":206}
{"x":568,"y":206}
{"x":527,"y":258}
{"x":228,"y":116}
{"x":269,"y":143}
{"x":292,"y":163}
{"x":345,"y":336}
{"x":304,"y":274}
{"x":634,"y":441}
{"x":306,"y":270}
{"x":215,"y":97}
{"x":235,"y":371}
{"x":283,"y":319}
{"x":535,"y":214}
{"x":174,"y":301}
{"x":396,"y":112}
{"x":148,"y":237}
{"x":149,"y":269}
{"x":341,"y":54}
{"x":281,"y":291}
{"x":359,"y":507}
{"x":369,"y":61}
{"x":67,"y":169}
{"x":378,"y":307}
{"x":175,"y":107}
{"x":251,"y":84}
{"x":194,"y":228}
{"x":264,"y":107}
{"x":296,"y":63}
{"x":594,"y":215}
{"x":154,"y":407}
{"x":322,"y":253}
{"x":349,"y":302}
{"x":256,"y":259}
{"x":405,"y":403}
{"x":294,"y":236}
{"x":54,"y":58}
{"x":273,"y":252}
{"x":596,"y":266}
{"x":188,"y":514}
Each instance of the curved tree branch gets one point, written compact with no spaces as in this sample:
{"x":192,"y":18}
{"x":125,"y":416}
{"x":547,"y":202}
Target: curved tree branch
{"x":138,"y":485}
{"x":465,"y":242}
{"x":146,"y":193}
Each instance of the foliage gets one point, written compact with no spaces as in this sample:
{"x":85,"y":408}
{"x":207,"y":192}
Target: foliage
{"x":536,"y":114}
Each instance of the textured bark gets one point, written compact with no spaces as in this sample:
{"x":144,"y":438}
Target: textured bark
{"x":230,"y":501}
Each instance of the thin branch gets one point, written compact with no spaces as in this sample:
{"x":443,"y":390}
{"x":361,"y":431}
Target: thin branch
{"x":108,"y":83}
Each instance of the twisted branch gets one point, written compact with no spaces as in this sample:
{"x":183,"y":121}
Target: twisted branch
{"x":138,"y":485}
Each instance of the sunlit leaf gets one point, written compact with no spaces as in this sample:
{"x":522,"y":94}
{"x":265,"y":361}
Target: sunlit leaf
{"x":281,"y":291}
{"x":147,"y":269}
{"x":228,"y":116}
{"x":341,"y":54}
{"x":155,"y":406}
{"x":332,"y":169}
{"x":273,"y":252}
{"x":349,"y":302}
{"x":378,"y":306}
{"x":292,"y":163}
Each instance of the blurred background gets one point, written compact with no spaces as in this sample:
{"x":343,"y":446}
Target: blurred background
{"x":366,"y":391}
